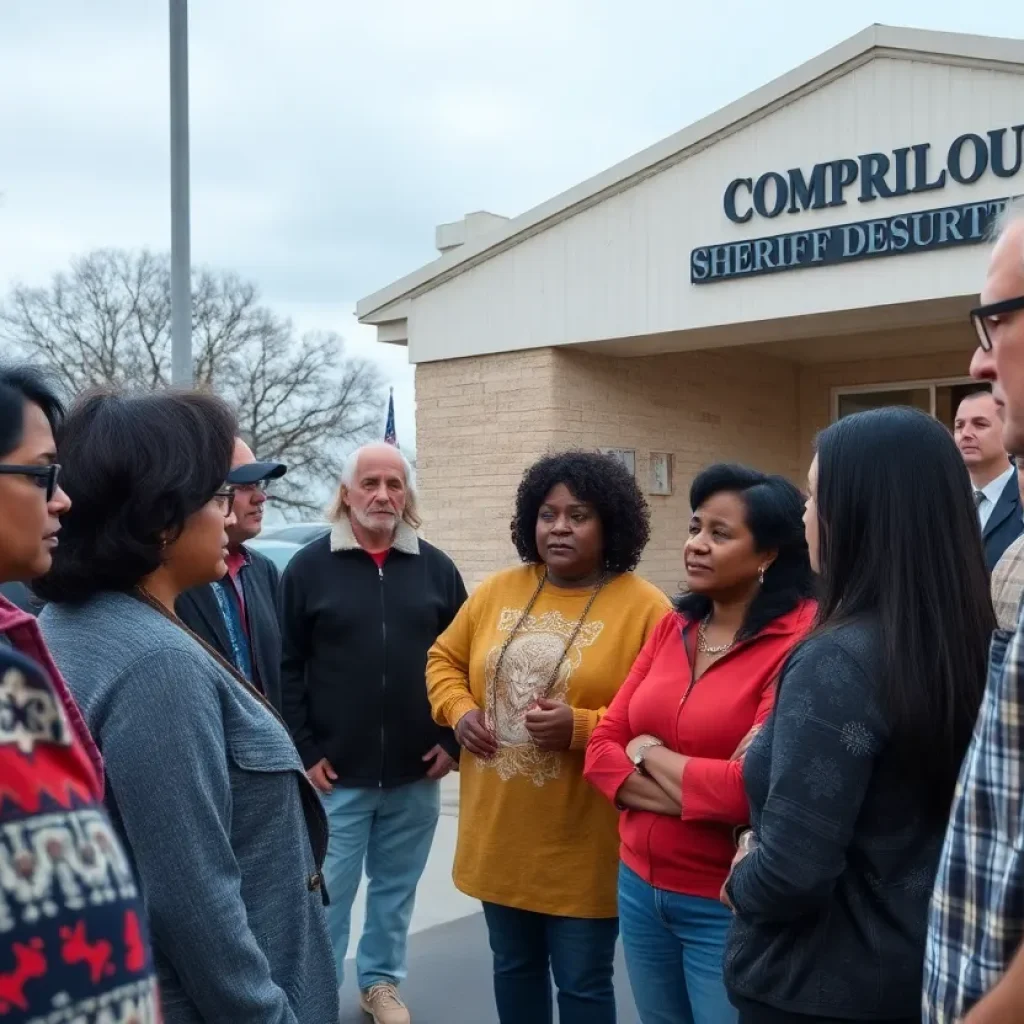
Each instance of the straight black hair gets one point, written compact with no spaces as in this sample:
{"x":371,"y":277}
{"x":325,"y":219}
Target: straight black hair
{"x":775,"y":510}
{"x":22,"y":384}
{"x":135,"y":467}
{"x":900,"y":544}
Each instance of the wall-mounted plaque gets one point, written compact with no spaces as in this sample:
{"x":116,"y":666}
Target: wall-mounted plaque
{"x":660,"y":473}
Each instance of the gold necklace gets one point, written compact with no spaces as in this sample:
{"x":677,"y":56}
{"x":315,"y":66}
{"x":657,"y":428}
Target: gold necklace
{"x":702,"y":640}
{"x":603,"y":579}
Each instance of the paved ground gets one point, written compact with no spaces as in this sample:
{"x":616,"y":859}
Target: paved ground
{"x":449,"y":959}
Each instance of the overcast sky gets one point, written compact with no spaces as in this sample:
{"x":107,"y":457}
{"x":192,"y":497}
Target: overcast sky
{"x":330,"y":137}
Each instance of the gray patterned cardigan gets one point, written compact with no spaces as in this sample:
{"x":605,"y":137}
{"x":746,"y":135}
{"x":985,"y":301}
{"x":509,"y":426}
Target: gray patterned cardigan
{"x":832,"y":906}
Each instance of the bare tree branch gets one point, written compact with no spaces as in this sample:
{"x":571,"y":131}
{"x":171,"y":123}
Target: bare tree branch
{"x":300,"y":400}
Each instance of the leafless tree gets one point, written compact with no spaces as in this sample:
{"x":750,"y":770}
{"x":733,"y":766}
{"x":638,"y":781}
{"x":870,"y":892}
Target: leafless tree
{"x":300,"y":400}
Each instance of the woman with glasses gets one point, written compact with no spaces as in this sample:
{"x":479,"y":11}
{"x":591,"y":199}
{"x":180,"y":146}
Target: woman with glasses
{"x":204,"y":782}
{"x":50,"y":770}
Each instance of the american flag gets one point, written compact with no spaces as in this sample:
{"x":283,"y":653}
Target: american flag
{"x":390,"y":437}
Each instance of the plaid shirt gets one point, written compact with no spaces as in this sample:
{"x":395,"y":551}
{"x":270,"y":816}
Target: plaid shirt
{"x":1008,"y":585}
{"x":977,"y":911}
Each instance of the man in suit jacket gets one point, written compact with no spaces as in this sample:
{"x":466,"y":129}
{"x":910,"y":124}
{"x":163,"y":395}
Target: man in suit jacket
{"x":978,"y":430}
{"x":237,"y":615}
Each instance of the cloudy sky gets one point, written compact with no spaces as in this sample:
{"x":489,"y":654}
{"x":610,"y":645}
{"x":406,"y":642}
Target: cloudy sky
{"x":330,"y":137}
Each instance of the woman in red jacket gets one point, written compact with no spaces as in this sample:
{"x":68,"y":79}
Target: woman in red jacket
{"x":669,"y":750}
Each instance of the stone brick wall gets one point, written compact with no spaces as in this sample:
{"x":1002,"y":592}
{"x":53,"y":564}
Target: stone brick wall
{"x":482,"y":420}
{"x":700,"y":407}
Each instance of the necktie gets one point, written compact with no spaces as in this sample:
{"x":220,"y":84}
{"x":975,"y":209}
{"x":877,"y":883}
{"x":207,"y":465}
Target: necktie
{"x":979,"y":497}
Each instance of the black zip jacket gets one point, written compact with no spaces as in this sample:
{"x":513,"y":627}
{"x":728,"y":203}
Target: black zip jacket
{"x":355,"y":640}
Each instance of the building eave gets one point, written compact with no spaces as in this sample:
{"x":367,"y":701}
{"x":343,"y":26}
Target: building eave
{"x":876,"y":41}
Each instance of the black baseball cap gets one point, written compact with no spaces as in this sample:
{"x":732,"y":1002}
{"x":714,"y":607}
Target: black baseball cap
{"x":254,"y":472}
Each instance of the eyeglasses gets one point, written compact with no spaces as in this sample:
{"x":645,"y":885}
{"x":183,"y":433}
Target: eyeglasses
{"x":44,"y":477}
{"x":259,"y":485}
{"x":982,"y":316}
{"x":225,"y":500}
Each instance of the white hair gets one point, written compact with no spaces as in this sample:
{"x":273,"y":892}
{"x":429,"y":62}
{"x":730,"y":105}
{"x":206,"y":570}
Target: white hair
{"x":1012,"y":214}
{"x":339,"y":509}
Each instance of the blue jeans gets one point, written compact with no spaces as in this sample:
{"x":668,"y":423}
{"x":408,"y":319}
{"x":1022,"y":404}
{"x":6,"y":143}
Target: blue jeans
{"x":674,"y":947}
{"x":390,"y":832}
{"x":579,"y":952}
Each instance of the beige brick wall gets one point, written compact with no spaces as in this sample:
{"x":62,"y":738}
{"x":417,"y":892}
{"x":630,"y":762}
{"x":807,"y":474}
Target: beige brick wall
{"x":701,"y":407}
{"x":481,"y":421}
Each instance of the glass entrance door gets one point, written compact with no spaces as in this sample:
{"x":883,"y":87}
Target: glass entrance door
{"x":937,"y":398}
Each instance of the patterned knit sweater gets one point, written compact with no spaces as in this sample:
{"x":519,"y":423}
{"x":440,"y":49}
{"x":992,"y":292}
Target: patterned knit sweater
{"x":74,"y":947}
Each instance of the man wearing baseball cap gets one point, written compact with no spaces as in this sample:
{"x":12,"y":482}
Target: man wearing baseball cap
{"x":237,"y":615}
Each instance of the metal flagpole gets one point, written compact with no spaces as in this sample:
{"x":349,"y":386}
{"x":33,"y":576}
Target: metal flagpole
{"x":181,"y":260}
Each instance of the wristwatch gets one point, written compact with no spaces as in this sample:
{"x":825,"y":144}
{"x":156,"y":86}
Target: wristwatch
{"x":641,"y":753}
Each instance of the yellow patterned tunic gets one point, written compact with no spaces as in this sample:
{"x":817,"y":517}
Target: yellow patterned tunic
{"x":532,"y":833}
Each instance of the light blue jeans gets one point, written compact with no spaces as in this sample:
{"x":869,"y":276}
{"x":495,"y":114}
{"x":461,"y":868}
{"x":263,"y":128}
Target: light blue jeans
{"x":389,"y":831}
{"x":674,"y":945}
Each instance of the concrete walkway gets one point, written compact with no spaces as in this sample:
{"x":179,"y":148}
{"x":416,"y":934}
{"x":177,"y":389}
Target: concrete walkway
{"x":449,"y":959}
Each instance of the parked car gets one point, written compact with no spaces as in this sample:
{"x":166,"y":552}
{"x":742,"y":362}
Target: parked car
{"x":280,"y":552}
{"x":297,"y":533}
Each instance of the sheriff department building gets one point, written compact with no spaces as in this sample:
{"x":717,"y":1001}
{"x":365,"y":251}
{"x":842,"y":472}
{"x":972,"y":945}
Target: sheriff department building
{"x":808,"y":251}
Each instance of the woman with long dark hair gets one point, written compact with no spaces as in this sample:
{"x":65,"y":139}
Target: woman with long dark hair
{"x":851,"y":779}
{"x":204,"y":782}
{"x":669,"y":751}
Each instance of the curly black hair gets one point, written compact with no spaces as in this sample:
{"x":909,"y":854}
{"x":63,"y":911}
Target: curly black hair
{"x":601,"y":481}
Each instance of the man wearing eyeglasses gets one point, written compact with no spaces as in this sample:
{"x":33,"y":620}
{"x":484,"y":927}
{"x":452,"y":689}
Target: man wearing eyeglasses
{"x":974,"y":963}
{"x":237,"y":615}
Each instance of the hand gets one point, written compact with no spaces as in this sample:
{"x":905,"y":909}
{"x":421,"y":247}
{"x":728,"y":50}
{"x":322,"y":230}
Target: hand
{"x":740,"y":751}
{"x":746,"y":845}
{"x":637,"y":742}
{"x":322,"y":775}
{"x":996,"y":1008}
{"x":550,"y":724}
{"x":474,"y":735}
{"x":443,"y":762}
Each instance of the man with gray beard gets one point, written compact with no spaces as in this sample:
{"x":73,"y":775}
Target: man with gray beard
{"x":360,"y":609}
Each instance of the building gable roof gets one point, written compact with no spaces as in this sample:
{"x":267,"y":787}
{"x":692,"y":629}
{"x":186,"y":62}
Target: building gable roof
{"x":874,"y":42}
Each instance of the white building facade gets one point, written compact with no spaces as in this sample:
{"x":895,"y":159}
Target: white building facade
{"x":808,"y":251}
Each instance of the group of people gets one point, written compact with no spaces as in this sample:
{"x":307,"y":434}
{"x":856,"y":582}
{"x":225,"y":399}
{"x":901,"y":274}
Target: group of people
{"x":755,"y":787}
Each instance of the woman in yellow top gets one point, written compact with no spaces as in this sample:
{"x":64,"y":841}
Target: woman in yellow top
{"x":523,"y":674}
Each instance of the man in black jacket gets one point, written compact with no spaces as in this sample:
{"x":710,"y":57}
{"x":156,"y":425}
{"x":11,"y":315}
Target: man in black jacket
{"x":360,"y":609}
{"x":237,"y":615}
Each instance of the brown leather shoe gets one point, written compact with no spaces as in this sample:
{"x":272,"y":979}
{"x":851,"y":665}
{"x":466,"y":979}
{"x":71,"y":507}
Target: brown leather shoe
{"x":382,"y":1003}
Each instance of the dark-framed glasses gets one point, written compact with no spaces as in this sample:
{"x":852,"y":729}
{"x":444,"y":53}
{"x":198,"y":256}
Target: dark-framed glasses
{"x":44,"y":477}
{"x":225,"y":500}
{"x":258,"y":485}
{"x":985,"y":317}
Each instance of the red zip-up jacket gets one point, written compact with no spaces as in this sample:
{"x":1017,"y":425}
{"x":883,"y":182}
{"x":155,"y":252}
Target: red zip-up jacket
{"x":703,"y":720}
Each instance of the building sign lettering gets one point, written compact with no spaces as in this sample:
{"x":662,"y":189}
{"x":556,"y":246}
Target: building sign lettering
{"x":909,"y":170}
{"x":941,"y":228}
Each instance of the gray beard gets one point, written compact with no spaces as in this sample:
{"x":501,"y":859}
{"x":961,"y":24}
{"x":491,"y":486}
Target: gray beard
{"x":373,"y":525}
